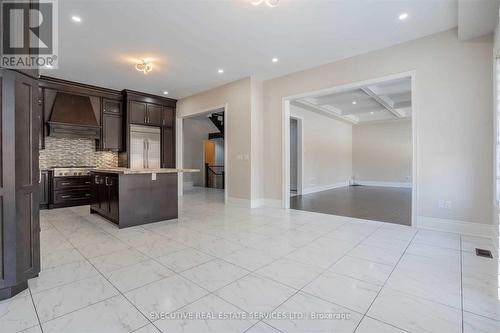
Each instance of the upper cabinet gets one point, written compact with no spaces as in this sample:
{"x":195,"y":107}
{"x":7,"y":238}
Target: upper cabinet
{"x":112,"y":125}
{"x":143,"y":113}
{"x":150,"y":110}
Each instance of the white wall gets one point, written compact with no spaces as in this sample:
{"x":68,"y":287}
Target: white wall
{"x":453,"y":89}
{"x":327,"y":144}
{"x":382,"y":152}
{"x":195,"y":132}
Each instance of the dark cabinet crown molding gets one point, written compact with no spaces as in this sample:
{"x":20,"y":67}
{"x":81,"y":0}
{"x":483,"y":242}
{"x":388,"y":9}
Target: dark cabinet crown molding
{"x":148,"y":98}
{"x":78,"y":88}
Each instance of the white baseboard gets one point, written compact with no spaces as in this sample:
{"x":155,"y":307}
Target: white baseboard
{"x":238,"y":202}
{"x":381,"y":184}
{"x":456,"y":226}
{"x":320,"y":188}
{"x":188,"y":185}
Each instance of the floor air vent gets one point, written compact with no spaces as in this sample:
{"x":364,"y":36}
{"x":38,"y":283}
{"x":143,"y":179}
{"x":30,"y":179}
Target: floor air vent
{"x":483,"y":253}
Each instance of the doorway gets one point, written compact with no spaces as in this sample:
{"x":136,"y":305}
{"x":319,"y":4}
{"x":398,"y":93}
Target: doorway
{"x":202,"y":146}
{"x":296,"y":133}
{"x":347,"y":170}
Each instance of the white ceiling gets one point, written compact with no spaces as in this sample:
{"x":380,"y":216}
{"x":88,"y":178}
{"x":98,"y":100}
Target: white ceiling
{"x":190,"y":40}
{"x":390,"y":100}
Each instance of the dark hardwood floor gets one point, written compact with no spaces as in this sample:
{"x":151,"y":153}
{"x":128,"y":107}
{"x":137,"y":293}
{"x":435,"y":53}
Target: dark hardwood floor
{"x":386,"y":204}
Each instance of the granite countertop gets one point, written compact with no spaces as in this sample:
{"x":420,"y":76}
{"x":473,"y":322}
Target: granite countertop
{"x":128,"y":171}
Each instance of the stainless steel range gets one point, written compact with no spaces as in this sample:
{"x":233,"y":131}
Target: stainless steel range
{"x":72,"y":171}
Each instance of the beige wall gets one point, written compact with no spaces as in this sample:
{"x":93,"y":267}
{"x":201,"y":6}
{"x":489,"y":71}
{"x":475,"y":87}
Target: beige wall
{"x":195,"y":132}
{"x":327,"y":144}
{"x":382,"y":152}
{"x":454,"y":126}
{"x":237,"y":96}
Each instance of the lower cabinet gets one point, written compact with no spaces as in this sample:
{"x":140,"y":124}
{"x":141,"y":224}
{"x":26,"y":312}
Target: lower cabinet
{"x":105,"y":195}
{"x":44,"y":189}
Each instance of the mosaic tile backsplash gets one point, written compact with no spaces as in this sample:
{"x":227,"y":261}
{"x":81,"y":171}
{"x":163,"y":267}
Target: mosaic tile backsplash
{"x":63,"y":152}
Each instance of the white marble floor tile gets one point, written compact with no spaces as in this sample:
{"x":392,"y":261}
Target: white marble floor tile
{"x":114,"y":315}
{"x":386,"y":242}
{"x":60,"y":275}
{"x":479,"y":324}
{"x":343,"y":290}
{"x":438,"y":238}
{"x":214,"y":274}
{"x":60,"y":257}
{"x":249,"y":258}
{"x":34,"y":329}
{"x":184,"y":259}
{"x":164,"y":296}
{"x":213,"y":308}
{"x":470,"y":243}
{"x":369,"y":325}
{"x":415,"y":314}
{"x":58,"y":301}
{"x":317,"y":256}
{"x":117,"y":260}
{"x":376,"y":254}
{"x":362,"y":269}
{"x":291,"y":273}
{"x":17,"y":314}
{"x":440,"y":256}
{"x":419,"y":278}
{"x":150,"y":328}
{"x":137,"y":275}
{"x":254,"y":293}
{"x":100,"y":249}
{"x":162,"y":248}
{"x":303,"y":310}
{"x":262,"y":327}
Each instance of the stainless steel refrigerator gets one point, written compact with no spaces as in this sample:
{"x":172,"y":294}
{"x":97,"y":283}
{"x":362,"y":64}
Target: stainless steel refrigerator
{"x":144,"y":147}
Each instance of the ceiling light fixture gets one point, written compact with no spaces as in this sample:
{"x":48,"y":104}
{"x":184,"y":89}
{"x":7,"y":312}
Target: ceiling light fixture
{"x":403,"y":16}
{"x":165,"y":92}
{"x":354,"y":102}
{"x":220,"y":71}
{"x":145,"y":66}
{"x":372,"y":112}
{"x":77,"y":19}
{"x":269,"y":3}
{"x":275,"y":60}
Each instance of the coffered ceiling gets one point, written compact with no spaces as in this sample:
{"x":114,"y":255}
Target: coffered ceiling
{"x":390,"y":100}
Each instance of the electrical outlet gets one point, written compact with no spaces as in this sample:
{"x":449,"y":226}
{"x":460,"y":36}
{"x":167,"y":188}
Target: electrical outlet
{"x":444,"y":204}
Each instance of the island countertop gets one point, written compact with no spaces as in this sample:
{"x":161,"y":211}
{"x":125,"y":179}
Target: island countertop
{"x":128,"y":171}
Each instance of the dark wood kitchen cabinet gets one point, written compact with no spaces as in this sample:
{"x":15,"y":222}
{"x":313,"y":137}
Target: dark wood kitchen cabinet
{"x":142,"y":113}
{"x":112,"y":132}
{"x":44,"y":189}
{"x":104,"y":195}
{"x":19,"y":182}
{"x":168,"y":138}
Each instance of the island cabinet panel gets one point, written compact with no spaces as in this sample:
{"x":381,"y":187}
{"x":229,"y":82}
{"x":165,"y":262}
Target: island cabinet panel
{"x":19,"y":182}
{"x":134,"y":199}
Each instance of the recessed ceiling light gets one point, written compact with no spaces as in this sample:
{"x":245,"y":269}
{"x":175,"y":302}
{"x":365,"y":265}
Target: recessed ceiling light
{"x":275,"y":60}
{"x":354,"y":102}
{"x":165,"y":92}
{"x":403,"y":16}
{"x":220,"y":71}
{"x":372,"y":112}
{"x":76,"y":18}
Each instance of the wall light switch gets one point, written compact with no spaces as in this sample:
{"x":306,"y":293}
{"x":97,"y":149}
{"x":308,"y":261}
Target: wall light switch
{"x":153,"y":176}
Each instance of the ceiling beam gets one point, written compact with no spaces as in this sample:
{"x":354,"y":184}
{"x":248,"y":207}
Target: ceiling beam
{"x":381,"y":101}
{"x":321,"y":109}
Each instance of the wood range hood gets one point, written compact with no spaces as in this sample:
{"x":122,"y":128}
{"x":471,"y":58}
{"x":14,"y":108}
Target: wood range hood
{"x":73,"y":116}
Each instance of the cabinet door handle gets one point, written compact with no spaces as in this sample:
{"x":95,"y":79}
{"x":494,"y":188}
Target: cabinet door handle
{"x":65,"y":196}
{"x":87,"y":195}
{"x":39,"y":176}
{"x":66,"y":183}
{"x":145,"y":119}
{"x":87,"y":182}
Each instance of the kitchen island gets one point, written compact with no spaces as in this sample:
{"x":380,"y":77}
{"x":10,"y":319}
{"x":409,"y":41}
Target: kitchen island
{"x":130,"y":197}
